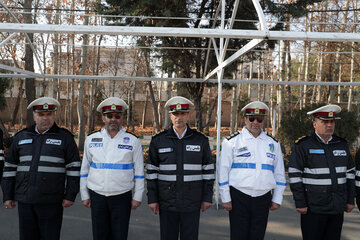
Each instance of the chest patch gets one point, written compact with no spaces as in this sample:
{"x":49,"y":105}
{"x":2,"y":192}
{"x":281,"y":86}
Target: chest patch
{"x":270,"y":155}
{"x":248,"y":154}
{"x":128,"y":147}
{"x":93,"y":145}
{"x":316,"y":151}
{"x":96,"y":140}
{"x":339,"y":153}
{"x":193,"y":148}
{"x":165,"y":150}
{"x":25,"y":141}
{"x":243,"y":149}
{"x":126,"y":139}
{"x":53,"y":141}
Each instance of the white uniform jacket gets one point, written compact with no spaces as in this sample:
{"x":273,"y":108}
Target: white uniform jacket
{"x":252,"y":165}
{"x":112,"y":166}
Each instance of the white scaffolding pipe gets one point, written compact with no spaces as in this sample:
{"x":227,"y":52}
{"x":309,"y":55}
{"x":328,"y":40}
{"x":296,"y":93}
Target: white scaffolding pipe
{"x":180,"y":32}
{"x":7,"y":39}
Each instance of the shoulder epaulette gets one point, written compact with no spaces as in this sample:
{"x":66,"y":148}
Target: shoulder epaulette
{"x":200,"y":133}
{"x":233,"y":135}
{"x":299,"y":139}
{"x":132,"y":133}
{"x":272,"y":137}
{"x":94,"y":132}
{"x":159,"y":133}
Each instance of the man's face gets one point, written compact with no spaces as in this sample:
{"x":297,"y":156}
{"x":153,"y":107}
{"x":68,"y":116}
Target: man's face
{"x":112,"y":121}
{"x":44,"y":120}
{"x":254,"y":123}
{"x":179,"y":119}
{"x":324,"y":127}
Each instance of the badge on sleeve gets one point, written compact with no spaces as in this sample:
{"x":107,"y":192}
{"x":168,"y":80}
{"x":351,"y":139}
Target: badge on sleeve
{"x":272,"y":147}
{"x":126,"y":139}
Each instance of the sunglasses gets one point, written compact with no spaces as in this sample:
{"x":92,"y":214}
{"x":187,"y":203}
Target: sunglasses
{"x":110,"y":116}
{"x":252,"y":118}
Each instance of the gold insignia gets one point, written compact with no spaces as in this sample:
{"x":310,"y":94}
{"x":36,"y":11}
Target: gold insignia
{"x":113,"y":107}
{"x":331,"y":114}
{"x":178,"y":106}
{"x":257,"y":111}
{"x":45,"y":106}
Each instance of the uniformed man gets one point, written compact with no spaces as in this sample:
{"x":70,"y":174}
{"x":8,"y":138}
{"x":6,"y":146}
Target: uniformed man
{"x":1,"y":154}
{"x":180,"y":174}
{"x":357,"y":178}
{"x":321,"y":175}
{"x":112,"y":166}
{"x":251,"y":175}
{"x":41,"y":173}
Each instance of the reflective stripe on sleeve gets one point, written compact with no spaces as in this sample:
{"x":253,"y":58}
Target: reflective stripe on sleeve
{"x":152,"y":176}
{"x":9,"y":174}
{"x":294,"y":170}
{"x":73,"y":173}
{"x":280,"y":183}
{"x":350,"y":176}
{"x":295,"y":179}
{"x":341,"y":169}
{"x":84,"y":175}
{"x":208,"y":176}
{"x":223,"y":183}
{"x":51,"y":159}
{"x":139,"y":177}
{"x":357,"y":173}
{"x":10,"y":165}
{"x":152,"y":167}
{"x":73,"y":164}
{"x":357,"y":183}
{"x":208,"y":167}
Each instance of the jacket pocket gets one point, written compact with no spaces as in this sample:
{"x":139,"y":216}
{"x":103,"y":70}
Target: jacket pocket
{"x":22,"y":182}
{"x":318,"y":196}
{"x":51,"y":184}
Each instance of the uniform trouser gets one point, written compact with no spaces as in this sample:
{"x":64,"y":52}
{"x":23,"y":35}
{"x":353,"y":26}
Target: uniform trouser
{"x":321,"y":226}
{"x":173,"y":223}
{"x":110,"y":216}
{"x":40,"y":221}
{"x":249,"y":215}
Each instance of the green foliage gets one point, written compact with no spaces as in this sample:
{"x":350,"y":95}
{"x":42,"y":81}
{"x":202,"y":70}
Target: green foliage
{"x":4,"y":85}
{"x":298,"y":124}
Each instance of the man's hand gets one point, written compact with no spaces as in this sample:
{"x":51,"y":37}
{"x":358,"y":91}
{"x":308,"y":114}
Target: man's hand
{"x":302,"y":210}
{"x":227,"y":206}
{"x":349,"y":207}
{"x":9,"y":204}
{"x":274,"y":206}
{"x":67,"y":203}
{"x":154,"y":207}
{"x":86,"y":203}
{"x":205,"y":206}
{"x":135,"y":204}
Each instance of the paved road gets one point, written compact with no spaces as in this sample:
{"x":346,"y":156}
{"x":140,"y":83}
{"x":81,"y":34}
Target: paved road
{"x":214,"y":224}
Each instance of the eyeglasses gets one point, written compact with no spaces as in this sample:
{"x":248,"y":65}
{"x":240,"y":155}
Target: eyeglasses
{"x":110,"y":116}
{"x":252,"y":118}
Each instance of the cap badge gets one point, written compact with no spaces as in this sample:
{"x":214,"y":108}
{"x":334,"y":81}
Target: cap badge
{"x":113,"y":107}
{"x":331,"y":114}
{"x":178,"y":106}
{"x":257,"y":111}
{"x":46,"y":106}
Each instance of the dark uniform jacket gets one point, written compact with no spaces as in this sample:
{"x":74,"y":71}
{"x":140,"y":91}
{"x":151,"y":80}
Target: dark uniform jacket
{"x":322,"y":175}
{"x":1,"y":154}
{"x":42,"y":168}
{"x":180,"y":172}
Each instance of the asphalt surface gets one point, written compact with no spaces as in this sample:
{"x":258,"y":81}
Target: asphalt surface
{"x":214,"y":224}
